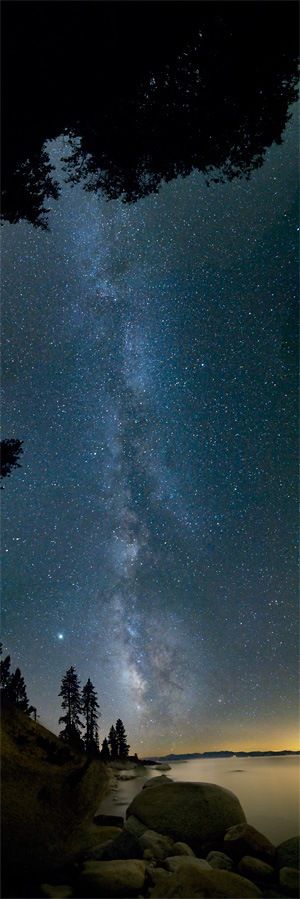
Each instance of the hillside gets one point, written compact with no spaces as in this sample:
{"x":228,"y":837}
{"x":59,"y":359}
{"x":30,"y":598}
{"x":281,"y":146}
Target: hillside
{"x":49,"y":795}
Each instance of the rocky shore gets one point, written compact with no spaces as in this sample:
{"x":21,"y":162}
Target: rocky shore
{"x":181,"y":840}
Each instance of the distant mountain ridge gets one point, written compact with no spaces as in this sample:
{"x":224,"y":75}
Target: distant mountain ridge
{"x":226,"y":753}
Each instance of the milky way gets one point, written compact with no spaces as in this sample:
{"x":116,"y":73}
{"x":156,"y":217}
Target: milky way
{"x":149,"y":537}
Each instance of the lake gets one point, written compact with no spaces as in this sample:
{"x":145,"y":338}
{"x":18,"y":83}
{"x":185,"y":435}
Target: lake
{"x":268,"y":789}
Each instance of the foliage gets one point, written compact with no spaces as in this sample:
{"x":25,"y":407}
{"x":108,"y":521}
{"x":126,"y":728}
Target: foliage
{"x":71,"y":703}
{"x":113,"y":743}
{"x":116,"y":747}
{"x":105,"y":753}
{"x":123,"y":746}
{"x":16,"y":691}
{"x":10,"y":452}
{"x":12,"y":685}
{"x":74,"y":703}
{"x":5,"y":674}
{"x":89,"y":710}
{"x":160,"y":90}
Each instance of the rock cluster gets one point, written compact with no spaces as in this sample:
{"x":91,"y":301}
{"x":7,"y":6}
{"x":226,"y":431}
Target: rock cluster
{"x":185,"y":840}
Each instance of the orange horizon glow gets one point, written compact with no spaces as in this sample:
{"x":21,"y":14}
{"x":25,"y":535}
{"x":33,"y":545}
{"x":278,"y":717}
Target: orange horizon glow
{"x":261,"y":744}
{"x":180,"y":751}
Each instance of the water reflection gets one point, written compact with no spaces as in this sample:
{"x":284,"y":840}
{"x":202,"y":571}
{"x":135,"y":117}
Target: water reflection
{"x":267,"y":791}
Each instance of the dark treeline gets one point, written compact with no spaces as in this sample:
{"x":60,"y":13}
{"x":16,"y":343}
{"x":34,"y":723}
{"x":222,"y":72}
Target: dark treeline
{"x":13,"y":688}
{"x":77,"y":704}
{"x":148,"y":91}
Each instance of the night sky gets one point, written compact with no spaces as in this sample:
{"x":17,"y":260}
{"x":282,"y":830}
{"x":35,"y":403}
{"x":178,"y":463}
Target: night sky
{"x":149,"y":539}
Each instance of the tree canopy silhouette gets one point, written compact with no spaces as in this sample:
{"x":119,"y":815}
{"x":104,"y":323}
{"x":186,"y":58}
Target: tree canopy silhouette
{"x":72,"y":705}
{"x":123,"y":746}
{"x":12,"y":686}
{"x":113,"y":743}
{"x":91,"y":714}
{"x":10,"y":451}
{"x":5,"y":675}
{"x":147,"y":91}
{"x":105,"y":753}
{"x":16,"y":691}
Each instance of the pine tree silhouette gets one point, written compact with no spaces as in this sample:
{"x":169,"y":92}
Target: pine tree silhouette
{"x":123,"y":746}
{"x":16,"y":691}
{"x":71,"y":702}
{"x":5,"y":675}
{"x":113,"y":743}
{"x":105,"y":753}
{"x":89,"y":710}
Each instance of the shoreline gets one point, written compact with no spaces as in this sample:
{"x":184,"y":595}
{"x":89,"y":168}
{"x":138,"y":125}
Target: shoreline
{"x":250,"y":778}
{"x":122,"y":788}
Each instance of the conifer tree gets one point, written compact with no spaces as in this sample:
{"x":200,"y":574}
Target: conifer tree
{"x":5,"y":675}
{"x":123,"y":746}
{"x":89,"y":709}
{"x":71,"y":703}
{"x":16,"y":691}
{"x":105,"y":753}
{"x":113,"y":743}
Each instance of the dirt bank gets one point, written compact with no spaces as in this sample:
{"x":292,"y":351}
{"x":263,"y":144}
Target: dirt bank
{"x":49,"y":796}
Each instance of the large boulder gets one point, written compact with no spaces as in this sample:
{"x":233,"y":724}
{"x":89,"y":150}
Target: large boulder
{"x":243,"y":839}
{"x":288,"y":853}
{"x":112,"y":879}
{"x":193,"y":813}
{"x":193,"y":883}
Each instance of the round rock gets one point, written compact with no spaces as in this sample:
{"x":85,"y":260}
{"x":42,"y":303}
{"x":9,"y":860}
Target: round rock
{"x":194,"y":882}
{"x":243,"y":839}
{"x":183,"y":862}
{"x":193,"y":813}
{"x":161,"y":779}
{"x":288,"y":853}
{"x":112,"y":879}
{"x":256,"y":870}
{"x":182,"y":849}
{"x":220,"y":860}
{"x":289,"y":879}
{"x":159,"y":845}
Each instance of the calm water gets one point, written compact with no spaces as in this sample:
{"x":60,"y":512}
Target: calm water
{"x":268,"y":789}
